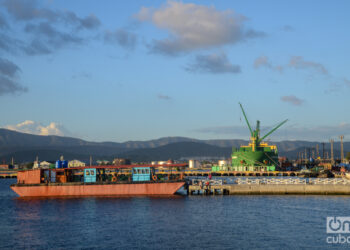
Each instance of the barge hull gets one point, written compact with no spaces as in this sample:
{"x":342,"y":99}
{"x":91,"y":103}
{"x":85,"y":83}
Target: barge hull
{"x":168,"y":188}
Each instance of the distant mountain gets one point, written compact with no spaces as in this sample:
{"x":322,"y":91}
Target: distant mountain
{"x":25,"y":147}
{"x":156,"y":143}
{"x":9,"y":138}
{"x":176,"y":151}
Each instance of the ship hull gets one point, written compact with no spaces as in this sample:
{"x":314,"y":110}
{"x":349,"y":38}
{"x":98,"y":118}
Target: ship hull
{"x":116,"y":189}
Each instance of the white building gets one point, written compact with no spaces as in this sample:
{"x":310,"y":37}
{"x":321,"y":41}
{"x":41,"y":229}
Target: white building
{"x":193,"y":164}
{"x":76,"y":163}
{"x":43,"y":164}
{"x":222,"y":163}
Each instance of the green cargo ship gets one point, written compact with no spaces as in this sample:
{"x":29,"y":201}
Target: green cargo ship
{"x":257,"y":155}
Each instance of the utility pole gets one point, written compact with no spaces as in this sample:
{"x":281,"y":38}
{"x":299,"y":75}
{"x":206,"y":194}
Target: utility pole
{"x":309,"y":154}
{"x":332,"y":153}
{"x":323,"y":150}
{"x":341,"y":149}
{"x":302,"y":157}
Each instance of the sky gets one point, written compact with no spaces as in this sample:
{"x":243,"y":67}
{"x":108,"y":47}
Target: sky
{"x":140,"y":70}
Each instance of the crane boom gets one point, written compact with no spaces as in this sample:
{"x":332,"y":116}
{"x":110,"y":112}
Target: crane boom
{"x":245,"y":117}
{"x":273,"y":130}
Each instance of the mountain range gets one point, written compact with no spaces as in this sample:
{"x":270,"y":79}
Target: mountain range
{"x":26,"y":147}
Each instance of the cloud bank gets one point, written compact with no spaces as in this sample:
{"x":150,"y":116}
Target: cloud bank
{"x":8,"y":78}
{"x":39,"y":31}
{"x":45,"y":30}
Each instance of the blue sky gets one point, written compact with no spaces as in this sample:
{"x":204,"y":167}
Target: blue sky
{"x":139,"y":70}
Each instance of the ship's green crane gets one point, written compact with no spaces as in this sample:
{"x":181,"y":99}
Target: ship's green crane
{"x":255,"y":134}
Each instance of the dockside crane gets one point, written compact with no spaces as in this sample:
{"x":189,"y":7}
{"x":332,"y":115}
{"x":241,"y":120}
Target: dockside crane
{"x":255,"y":134}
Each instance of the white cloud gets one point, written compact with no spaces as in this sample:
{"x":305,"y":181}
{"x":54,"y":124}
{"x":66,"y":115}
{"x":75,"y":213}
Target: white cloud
{"x":298,"y":62}
{"x":36,"y":128}
{"x":263,"y":61}
{"x":292,"y":99}
{"x":193,"y":26}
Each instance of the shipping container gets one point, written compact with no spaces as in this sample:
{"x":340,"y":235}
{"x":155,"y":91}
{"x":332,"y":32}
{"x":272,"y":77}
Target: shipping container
{"x":58,"y":164}
{"x":64,"y":164}
{"x":53,"y":176}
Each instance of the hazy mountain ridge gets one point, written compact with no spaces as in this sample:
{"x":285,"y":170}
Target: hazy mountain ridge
{"x":25,"y":147}
{"x":13,"y":138}
{"x":177,"y":150}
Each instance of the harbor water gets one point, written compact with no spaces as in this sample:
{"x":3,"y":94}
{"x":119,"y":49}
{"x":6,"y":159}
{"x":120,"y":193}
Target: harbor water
{"x":187,"y":222}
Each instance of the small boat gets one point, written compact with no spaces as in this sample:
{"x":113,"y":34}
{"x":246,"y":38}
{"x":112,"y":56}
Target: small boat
{"x":127,"y":180}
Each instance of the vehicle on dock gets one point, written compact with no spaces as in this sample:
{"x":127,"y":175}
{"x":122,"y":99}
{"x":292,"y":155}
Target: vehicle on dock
{"x":98,"y":181}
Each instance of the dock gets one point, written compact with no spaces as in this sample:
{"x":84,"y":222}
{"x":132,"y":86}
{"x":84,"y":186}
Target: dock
{"x":247,"y":186}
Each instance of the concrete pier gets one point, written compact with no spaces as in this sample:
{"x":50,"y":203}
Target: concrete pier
{"x":247,"y":189}
{"x":328,"y":187}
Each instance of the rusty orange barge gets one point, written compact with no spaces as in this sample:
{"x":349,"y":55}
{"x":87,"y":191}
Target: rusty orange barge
{"x":98,"y":181}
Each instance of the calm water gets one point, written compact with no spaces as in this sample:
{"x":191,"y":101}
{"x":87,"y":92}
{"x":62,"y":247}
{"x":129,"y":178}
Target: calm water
{"x":221,"y":222}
